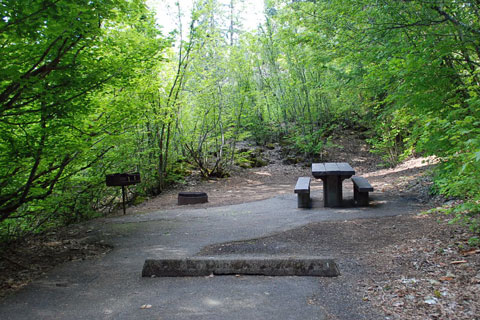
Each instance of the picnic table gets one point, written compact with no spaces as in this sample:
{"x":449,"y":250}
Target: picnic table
{"x":332,"y":175}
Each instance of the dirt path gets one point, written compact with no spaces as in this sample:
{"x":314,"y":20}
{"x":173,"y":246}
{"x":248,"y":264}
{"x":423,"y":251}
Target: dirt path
{"x":278,"y":178}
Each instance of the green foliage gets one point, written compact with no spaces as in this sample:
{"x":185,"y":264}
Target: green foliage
{"x":312,"y":144}
{"x":466,"y":213}
{"x":410,"y":68}
{"x":250,"y":158}
{"x":57,"y":59}
{"x":392,"y":139}
{"x":474,"y":241}
{"x":469,"y":214}
{"x":88,"y":88}
{"x":243,"y":159}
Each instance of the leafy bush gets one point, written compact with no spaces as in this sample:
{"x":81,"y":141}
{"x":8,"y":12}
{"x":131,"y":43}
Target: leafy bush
{"x":311,"y":144}
{"x":391,"y":136}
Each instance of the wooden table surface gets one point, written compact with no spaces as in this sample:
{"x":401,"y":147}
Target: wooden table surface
{"x":332,"y":169}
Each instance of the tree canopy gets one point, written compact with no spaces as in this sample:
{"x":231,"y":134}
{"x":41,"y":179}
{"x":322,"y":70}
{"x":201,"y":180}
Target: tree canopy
{"x":89,"y":88}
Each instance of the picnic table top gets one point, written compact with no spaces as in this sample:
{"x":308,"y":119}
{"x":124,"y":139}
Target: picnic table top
{"x":332,"y":169}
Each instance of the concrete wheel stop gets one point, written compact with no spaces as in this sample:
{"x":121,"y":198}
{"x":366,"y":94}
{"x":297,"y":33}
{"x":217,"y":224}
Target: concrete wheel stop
{"x":266,"y":266}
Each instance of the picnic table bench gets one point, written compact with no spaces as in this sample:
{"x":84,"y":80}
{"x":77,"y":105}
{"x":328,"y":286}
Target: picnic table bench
{"x":302,"y":189}
{"x":361,"y":188}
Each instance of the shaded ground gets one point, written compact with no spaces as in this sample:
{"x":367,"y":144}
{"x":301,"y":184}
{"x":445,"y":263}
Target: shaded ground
{"x":415,"y":267}
{"x":24,"y":261}
{"x":407,"y":259}
{"x":430,"y":275}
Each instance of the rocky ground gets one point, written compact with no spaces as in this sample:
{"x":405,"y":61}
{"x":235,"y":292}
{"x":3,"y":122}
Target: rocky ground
{"x":420,"y":267}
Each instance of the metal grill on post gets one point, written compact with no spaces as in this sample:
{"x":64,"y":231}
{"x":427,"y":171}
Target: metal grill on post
{"x":122,"y":180}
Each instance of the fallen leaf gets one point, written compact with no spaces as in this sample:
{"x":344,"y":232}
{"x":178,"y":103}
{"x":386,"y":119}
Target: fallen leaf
{"x":430,"y":300}
{"x":446,"y":278}
{"x":458,"y":262}
{"x":470,"y":252}
{"x":398,"y":304}
{"x":53,"y":243}
{"x":146,"y":306}
{"x":475,"y":280}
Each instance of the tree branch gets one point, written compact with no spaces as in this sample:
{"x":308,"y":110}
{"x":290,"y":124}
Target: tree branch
{"x":455,"y":21}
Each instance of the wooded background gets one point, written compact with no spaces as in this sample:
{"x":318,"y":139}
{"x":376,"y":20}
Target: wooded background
{"x":92,"y":87}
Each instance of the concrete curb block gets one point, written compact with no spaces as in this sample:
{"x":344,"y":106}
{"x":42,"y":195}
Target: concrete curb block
{"x":267,"y":266}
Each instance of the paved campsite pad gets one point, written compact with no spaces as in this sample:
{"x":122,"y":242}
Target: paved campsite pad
{"x":349,"y":238}
{"x":111,"y":287}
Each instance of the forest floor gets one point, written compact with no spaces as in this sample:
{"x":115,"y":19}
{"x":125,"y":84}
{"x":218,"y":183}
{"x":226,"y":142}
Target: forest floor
{"x":421,"y":267}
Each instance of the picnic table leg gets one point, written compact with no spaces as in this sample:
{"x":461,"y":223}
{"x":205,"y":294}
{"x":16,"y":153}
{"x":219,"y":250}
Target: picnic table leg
{"x":332,"y":191}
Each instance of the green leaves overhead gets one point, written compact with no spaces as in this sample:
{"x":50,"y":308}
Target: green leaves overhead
{"x":414,"y":65}
{"x":55,"y":57}
{"x":91,"y":87}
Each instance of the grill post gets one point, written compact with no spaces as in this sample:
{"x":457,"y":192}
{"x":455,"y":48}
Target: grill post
{"x":122,"y":180}
{"x":123,"y":200}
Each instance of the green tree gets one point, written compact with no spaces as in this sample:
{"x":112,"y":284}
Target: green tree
{"x":56,"y":57}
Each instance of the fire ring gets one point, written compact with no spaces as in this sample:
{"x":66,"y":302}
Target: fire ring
{"x":192,"y":198}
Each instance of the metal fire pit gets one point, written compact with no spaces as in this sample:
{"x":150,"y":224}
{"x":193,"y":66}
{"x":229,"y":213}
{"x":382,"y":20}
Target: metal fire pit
{"x":192,"y":198}
{"x":122,"y":180}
